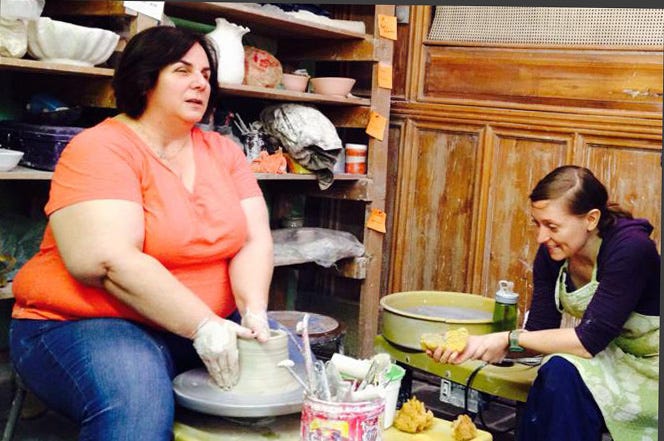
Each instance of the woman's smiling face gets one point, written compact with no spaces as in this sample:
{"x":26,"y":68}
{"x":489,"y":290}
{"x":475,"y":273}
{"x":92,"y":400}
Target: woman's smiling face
{"x":563,"y":233}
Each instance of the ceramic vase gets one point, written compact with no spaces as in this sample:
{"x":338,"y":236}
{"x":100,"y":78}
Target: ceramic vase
{"x":227,"y":38}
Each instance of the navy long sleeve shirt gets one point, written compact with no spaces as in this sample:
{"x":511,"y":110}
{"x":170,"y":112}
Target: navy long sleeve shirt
{"x":628,"y":272}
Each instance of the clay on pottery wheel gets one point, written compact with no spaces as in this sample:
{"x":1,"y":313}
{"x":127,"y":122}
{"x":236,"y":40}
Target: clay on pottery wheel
{"x":259,"y":373}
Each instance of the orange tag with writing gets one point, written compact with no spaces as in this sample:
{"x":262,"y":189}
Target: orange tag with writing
{"x":384,"y":76}
{"x":377,"y":220}
{"x":376,"y":126}
{"x":387,"y":26}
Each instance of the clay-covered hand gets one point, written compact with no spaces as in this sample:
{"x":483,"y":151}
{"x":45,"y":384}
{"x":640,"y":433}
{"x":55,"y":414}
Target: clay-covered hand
{"x":257,"y":322}
{"x":216,"y":343}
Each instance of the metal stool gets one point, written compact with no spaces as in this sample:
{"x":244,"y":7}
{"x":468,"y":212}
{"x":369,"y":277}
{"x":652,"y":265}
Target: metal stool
{"x":15,"y":410}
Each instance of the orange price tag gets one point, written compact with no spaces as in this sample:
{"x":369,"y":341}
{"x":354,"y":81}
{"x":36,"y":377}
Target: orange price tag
{"x":377,"y":220}
{"x":387,"y":26}
{"x":376,"y":126}
{"x":384,"y":76}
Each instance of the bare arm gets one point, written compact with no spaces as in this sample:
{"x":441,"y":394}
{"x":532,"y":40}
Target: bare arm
{"x":549,"y":341}
{"x":101,"y":242}
{"x":493,"y":347}
{"x":251,"y":268}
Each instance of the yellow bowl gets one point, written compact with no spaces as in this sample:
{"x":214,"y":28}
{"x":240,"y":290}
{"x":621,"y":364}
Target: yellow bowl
{"x":408,"y":315}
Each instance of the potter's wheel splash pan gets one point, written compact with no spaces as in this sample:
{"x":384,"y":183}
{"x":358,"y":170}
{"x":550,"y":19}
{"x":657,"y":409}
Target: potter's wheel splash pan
{"x":195,"y":390}
{"x":408,"y":315}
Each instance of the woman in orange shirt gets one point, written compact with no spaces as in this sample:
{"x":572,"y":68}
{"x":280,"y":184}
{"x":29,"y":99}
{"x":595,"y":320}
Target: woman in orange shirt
{"x":158,"y":233}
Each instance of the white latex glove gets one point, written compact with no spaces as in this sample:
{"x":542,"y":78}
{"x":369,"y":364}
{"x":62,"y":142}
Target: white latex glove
{"x":216,"y":343}
{"x":257,"y":322}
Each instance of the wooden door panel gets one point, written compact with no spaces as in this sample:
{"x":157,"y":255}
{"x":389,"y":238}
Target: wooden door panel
{"x":590,"y":79}
{"x":435,"y":209}
{"x":632,"y":173}
{"x":518,"y":162}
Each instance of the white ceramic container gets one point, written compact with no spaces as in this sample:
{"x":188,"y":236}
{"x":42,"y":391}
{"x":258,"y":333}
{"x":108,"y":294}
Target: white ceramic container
{"x":227,"y":38}
{"x":62,"y":42}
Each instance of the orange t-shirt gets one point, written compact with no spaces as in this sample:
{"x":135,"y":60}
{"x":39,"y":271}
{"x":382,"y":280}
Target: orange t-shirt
{"x":192,"y":234}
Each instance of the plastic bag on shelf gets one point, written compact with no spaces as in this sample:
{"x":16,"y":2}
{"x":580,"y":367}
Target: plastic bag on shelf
{"x":13,"y":38}
{"x":311,"y":244}
{"x":307,"y":135}
{"x":23,"y":9}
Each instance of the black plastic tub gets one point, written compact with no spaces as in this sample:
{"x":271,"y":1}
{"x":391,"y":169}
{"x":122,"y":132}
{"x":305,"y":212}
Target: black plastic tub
{"x":41,"y":144}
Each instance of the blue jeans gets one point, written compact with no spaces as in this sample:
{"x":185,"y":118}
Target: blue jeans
{"x":111,"y":376}
{"x":560,"y":406}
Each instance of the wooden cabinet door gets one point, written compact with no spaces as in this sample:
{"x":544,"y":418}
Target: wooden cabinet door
{"x":435,"y":207}
{"x":506,"y":242}
{"x":632,"y":172}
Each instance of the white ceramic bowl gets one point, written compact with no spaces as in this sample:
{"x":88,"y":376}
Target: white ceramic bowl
{"x":62,"y":42}
{"x":337,"y":86}
{"x":296,"y":83}
{"x":9,"y":159}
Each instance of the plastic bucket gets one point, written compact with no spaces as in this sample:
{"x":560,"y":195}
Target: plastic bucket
{"x":333,"y":421}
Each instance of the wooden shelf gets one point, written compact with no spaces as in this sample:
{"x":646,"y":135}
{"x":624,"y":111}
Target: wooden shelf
{"x":288,"y":95}
{"x":26,"y":174}
{"x":259,"y":21}
{"x":25,"y":65}
{"x":305,"y":177}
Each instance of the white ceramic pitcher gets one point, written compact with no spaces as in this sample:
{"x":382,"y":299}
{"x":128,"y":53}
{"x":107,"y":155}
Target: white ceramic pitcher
{"x":227,"y":37}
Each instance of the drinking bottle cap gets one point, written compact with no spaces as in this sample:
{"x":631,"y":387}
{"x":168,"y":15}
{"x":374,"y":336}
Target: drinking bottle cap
{"x":505,"y":293}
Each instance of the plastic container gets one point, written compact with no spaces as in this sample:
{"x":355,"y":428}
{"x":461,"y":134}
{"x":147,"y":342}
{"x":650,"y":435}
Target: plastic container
{"x":356,"y":158}
{"x":328,"y":420}
{"x":41,"y":144}
{"x":395,"y":374}
{"x":506,"y":307}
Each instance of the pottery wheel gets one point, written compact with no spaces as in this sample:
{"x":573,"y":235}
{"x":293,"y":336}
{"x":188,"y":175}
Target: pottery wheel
{"x":196,"y":390}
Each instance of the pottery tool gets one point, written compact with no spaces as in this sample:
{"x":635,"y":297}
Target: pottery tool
{"x":349,"y":366}
{"x":288,"y":365}
{"x":379,"y":363}
{"x":323,"y":387}
{"x":303,"y":327}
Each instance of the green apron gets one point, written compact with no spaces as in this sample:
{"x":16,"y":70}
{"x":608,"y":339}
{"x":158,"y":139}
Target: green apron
{"x":624,"y":377}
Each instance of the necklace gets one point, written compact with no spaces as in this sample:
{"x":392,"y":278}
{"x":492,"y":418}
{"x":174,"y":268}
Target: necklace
{"x":160,"y":152}
{"x":164,"y":156}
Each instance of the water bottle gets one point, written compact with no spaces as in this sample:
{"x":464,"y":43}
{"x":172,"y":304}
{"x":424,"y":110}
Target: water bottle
{"x":505,"y":310}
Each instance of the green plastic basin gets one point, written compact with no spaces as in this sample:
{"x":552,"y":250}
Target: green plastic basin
{"x":407,"y":315}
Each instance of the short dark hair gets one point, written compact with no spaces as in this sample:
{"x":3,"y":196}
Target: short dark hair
{"x":582,"y":192}
{"x":146,"y":54}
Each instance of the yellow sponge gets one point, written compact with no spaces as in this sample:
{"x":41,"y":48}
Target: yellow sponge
{"x":454,"y":339}
{"x":463,"y":428}
{"x":413,"y":417}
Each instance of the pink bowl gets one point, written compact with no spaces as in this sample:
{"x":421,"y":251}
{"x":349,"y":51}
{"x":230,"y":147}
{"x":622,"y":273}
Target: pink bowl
{"x":296,"y":83}
{"x":337,"y":86}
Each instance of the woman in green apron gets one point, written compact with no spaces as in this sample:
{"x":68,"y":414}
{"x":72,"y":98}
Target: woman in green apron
{"x":598,"y":265}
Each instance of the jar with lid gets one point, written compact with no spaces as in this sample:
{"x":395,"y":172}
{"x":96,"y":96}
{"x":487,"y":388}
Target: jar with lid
{"x":506,"y":307}
{"x":356,"y":158}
